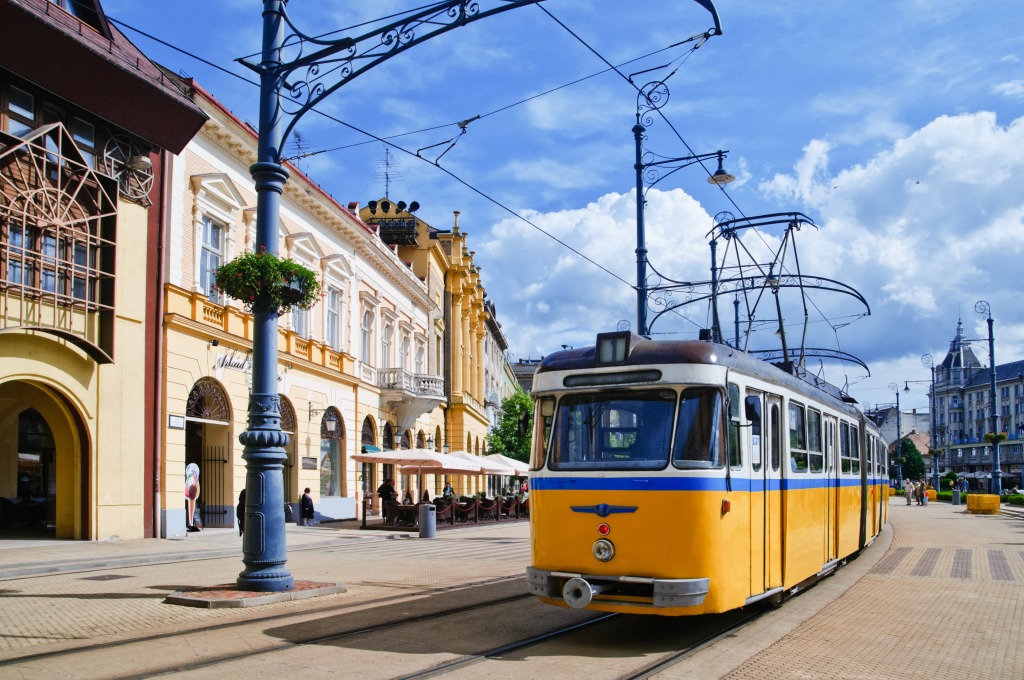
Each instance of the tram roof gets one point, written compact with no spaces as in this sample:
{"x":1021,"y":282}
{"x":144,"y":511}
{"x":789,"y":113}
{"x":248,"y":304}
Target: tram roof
{"x":643,"y":351}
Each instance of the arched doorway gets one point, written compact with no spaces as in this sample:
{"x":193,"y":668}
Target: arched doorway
{"x":290,"y":472}
{"x":44,"y":464}
{"x":207,"y":444}
{"x":333,"y":480}
{"x":368,"y":471}
{"x":387,"y":442}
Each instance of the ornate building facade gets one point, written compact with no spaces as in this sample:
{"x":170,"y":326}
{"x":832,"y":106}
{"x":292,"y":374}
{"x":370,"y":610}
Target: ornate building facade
{"x":469,"y":343}
{"x":354,"y":372}
{"x":964,"y":409}
{"x":84,"y":120}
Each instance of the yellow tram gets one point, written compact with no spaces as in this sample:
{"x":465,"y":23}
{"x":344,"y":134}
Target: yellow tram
{"x":686,"y":477}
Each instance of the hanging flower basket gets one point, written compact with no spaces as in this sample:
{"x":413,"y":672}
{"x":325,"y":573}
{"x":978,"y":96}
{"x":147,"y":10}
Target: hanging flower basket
{"x":995,"y":437}
{"x":264,"y":280}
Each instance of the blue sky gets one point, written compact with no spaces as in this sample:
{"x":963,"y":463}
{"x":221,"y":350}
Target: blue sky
{"x":896,"y":126}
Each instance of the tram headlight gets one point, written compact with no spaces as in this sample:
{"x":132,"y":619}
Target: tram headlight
{"x":603,"y":549}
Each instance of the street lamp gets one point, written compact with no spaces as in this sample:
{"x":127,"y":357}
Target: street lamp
{"x":330,"y":420}
{"x":983,"y":308}
{"x":651,"y":97}
{"x":929,"y":361}
{"x":311,"y":76}
{"x":899,"y":428}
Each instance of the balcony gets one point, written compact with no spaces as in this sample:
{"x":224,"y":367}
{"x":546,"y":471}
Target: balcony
{"x":192,"y":308}
{"x":410,"y":394}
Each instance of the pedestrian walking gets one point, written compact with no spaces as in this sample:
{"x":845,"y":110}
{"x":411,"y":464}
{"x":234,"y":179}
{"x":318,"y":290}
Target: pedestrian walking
{"x":306,"y":513}
{"x":240,"y":511}
{"x":386,"y":492}
{"x":908,"y":489}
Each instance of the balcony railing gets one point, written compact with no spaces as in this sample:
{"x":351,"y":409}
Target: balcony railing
{"x":195,"y":306}
{"x":418,"y":384}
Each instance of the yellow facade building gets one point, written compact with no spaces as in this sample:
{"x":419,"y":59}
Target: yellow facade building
{"x":80,"y":200}
{"x":354,"y":372}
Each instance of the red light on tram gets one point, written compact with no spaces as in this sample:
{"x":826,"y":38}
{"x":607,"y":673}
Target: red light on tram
{"x":604,"y":529}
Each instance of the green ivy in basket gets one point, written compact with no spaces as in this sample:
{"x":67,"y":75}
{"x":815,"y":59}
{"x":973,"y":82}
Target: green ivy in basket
{"x":262,"y":279}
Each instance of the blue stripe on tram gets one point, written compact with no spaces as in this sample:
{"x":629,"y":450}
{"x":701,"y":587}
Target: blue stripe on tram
{"x":680,"y":484}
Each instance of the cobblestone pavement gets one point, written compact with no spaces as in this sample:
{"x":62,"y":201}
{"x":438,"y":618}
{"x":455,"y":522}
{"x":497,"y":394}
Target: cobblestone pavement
{"x":942,"y":598}
{"x":940,"y":593}
{"x":116,"y":591}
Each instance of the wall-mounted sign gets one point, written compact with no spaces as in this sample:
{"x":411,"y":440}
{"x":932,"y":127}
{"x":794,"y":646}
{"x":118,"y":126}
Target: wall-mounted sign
{"x":308,"y":463}
{"x":176,"y":422}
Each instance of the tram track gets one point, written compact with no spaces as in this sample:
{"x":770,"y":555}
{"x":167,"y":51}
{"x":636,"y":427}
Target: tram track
{"x":728,"y":625}
{"x":531,"y":639}
{"x":285,"y":617}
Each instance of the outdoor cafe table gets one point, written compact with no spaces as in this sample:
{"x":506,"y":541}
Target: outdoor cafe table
{"x":407,"y":515}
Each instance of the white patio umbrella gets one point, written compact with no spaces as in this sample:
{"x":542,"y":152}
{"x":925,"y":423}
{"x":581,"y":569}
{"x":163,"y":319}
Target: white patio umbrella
{"x":404,"y":457}
{"x":487,"y":466}
{"x":439,"y":464}
{"x":419,"y":461}
{"x":519,"y":467}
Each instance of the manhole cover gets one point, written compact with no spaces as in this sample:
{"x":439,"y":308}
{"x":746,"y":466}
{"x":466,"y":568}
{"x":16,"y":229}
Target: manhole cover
{"x":104,"y":577}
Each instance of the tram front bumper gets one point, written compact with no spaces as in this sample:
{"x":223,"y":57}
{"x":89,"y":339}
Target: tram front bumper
{"x":653,"y":592}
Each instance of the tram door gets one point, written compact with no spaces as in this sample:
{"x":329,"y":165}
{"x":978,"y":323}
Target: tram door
{"x":759,"y":467}
{"x":831,"y":490}
{"x":776,"y":430}
{"x":764,"y":412}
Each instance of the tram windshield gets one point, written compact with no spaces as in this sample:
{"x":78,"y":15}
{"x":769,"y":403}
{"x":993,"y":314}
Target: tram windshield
{"x":613,"y":430}
{"x":632,"y":430}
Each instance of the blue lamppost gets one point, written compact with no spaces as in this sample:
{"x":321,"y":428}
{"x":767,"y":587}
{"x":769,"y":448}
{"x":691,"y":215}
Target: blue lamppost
{"x":308,"y":79}
{"x":929,"y":361}
{"x":983,"y":308}
{"x":899,"y":430}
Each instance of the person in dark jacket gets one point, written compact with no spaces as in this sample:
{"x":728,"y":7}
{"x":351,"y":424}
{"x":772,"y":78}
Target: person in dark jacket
{"x":240,"y":511}
{"x":306,"y":509}
{"x":386,"y":492}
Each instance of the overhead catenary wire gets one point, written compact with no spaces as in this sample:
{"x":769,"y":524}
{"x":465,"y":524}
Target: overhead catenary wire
{"x":697,"y":40}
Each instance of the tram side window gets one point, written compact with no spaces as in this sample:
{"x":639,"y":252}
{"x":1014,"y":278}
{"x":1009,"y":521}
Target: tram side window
{"x":855,"y":449}
{"x":844,"y":448}
{"x":699,"y":429}
{"x":543,"y":414}
{"x":613,"y":430}
{"x":797,"y":438}
{"x":815,"y":454}
{"x":776,"y":442}
{"x":753,"y":404}
{"x":735,"y":456}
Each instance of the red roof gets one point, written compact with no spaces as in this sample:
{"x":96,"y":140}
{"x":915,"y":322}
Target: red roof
{"x":104,"y":74}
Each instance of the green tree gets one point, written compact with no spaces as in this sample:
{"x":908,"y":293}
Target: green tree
{"x":913,"y":463}
{"x":511,"y":437}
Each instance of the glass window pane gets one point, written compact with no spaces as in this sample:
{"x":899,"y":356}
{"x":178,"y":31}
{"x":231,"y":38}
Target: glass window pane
{"x":21,"y":110}
{"x":776,"y":443}
{"x":699,"y":428}
{"x":613,"y":430}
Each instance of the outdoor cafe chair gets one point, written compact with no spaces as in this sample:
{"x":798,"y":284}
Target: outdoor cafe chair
{"x":463,"y":511}
{"x":444,"y":512}
{"x":509,"y":506}
{"x":488,"y":509}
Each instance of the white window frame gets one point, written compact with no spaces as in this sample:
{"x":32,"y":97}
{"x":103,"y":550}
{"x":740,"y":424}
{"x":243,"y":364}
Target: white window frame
{"x":212,"y":256}
{"x":366,"y":324}
{"x":333,"y":312}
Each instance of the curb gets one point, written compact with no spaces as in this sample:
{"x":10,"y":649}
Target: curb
{"x":227,"y":595}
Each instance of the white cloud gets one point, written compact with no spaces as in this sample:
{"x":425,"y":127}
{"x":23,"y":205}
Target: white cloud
{"x":1013,"y":89}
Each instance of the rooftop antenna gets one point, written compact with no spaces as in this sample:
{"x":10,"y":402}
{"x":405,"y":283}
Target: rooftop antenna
{"x":387,"y":170}
{"x":297,"y":149}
